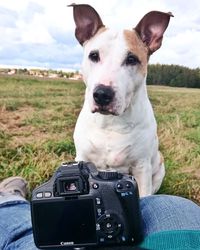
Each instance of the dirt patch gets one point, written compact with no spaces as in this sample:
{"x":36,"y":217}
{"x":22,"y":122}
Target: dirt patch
{"x":191,"y":171}
{"x":10,"y":120}
{"x":13,"y":124}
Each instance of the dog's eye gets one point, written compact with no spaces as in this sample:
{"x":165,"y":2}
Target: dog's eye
{"x":131,"y":59}
{"x":94,"y":56}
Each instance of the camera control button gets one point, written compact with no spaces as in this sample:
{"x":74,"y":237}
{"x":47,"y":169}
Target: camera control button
{"x":119,"y":186}
{"x":108,"y":175}
{"x":108,"y":225}
{"x":123,"y":238}
{"x":110,"y":236}
{"x":47,"y":194}
{"x":98,"y":201}
{"x":95,"y":185}
{"x":102,"y":240}
{"x":99,"y":212}
{"x":98,"y":228}
{"x":128,"y":185}
{"x":39,"y":195}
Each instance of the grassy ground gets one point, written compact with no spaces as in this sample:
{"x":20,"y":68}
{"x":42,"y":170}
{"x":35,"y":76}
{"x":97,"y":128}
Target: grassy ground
{"x":37,"y":119}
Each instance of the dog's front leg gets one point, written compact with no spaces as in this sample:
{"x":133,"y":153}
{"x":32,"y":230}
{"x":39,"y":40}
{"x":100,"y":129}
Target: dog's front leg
{"x":143,"y":175}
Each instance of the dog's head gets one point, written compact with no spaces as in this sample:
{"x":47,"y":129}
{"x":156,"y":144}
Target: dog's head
{"x":115,"y":62}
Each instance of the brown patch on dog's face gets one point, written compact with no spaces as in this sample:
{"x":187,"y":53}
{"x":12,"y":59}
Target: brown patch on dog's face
{"x":137,"y":48}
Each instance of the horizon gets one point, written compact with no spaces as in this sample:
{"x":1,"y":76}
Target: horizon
{"x":78,"y":70}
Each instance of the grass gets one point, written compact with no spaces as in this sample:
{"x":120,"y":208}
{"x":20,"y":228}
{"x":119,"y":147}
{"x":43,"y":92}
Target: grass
{"x":37,"y":119}
{"x":178,"y":115}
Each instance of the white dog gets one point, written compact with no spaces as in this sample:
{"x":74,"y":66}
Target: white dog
{"x":116,"y":127}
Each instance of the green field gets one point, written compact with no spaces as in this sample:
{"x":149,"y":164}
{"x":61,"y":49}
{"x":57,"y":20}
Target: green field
{"x":37,"y":118}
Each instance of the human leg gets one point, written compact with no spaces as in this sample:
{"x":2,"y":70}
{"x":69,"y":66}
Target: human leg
{"x":164,"y":212}
{"x":15,"y":218}
{"x":15,"y":226}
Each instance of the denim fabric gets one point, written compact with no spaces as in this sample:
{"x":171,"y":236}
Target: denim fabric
{"x":15,"y":226}
{"x":159,"y":212}
{"x":164,"y":213}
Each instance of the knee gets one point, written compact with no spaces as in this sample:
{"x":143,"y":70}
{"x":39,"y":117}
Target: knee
{"x":166,"y":212}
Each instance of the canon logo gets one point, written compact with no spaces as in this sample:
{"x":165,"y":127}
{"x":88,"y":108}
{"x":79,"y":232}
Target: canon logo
{"x":63,"y":243}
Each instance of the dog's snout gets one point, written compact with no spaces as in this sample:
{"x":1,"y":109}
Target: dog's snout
{"x":103,"y":95}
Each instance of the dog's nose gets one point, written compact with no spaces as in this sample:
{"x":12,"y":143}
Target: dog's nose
{"x":103,"y":95}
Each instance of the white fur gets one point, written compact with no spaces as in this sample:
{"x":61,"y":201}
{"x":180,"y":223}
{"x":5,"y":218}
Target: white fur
{"x":127,"y":140}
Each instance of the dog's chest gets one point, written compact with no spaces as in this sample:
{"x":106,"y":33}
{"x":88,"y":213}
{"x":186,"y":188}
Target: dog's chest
{"x":109,"y":149}
{"x":112,"y":141}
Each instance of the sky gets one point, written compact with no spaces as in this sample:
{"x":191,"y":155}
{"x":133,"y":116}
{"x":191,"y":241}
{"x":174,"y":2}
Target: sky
{"x":40,"y":33}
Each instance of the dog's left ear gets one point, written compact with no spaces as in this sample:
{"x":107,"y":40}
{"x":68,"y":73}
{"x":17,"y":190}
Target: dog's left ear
{"x":152,"y":27}
{"x":87,"y":21}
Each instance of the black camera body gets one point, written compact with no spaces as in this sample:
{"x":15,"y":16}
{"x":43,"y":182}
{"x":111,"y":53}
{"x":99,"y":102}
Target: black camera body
{"x":82,"y":207}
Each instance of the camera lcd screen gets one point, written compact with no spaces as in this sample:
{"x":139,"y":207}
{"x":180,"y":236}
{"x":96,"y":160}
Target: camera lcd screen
{"x":66,"y":222}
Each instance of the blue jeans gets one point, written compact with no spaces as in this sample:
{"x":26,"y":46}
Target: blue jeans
{"x":159,"y":212}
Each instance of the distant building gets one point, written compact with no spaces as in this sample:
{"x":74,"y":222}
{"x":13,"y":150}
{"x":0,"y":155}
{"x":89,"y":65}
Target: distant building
{"x":53,"y":75}
{"x":12,"y":72}
{"x":43,"y":73}
{"x":76,"y":76}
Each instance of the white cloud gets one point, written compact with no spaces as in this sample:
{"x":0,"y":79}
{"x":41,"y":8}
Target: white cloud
{"x":41,"y":33}
{"x":35,"y":32}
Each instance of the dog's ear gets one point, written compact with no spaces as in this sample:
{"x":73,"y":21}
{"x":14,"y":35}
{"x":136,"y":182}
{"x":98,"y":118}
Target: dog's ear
{"x":87,"y":21}
{"x":152,"y":27}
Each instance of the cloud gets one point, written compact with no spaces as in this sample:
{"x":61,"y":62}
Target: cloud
{"x":41,"y":33}
{"x":182,"y":36}
{"x":43,"y":56}
{"x":37,"y":36}
{"x":31,"y":10}
{"x":7,"y":18}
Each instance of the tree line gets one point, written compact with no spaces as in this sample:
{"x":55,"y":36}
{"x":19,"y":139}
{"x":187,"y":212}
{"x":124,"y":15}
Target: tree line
{"x":173,"y":75}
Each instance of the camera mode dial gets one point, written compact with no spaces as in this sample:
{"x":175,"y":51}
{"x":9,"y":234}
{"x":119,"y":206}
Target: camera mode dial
{"x":108,"y":175}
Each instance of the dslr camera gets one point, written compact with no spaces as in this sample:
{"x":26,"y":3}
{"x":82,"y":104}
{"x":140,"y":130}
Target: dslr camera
{"x":82,"y":207}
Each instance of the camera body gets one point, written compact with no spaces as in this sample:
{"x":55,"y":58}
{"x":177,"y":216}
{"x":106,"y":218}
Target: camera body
{"x":82,"y":207}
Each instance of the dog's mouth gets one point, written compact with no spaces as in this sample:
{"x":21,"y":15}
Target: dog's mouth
{"x":104,"y":110}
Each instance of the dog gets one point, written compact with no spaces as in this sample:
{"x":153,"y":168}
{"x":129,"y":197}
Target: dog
{"x":116,"y":127}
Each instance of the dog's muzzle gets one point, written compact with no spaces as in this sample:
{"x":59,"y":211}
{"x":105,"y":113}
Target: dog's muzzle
{"x":103,"y":98}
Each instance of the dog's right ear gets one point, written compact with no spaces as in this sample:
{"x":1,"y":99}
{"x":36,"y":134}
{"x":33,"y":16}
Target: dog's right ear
{"x":87,"y":21}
